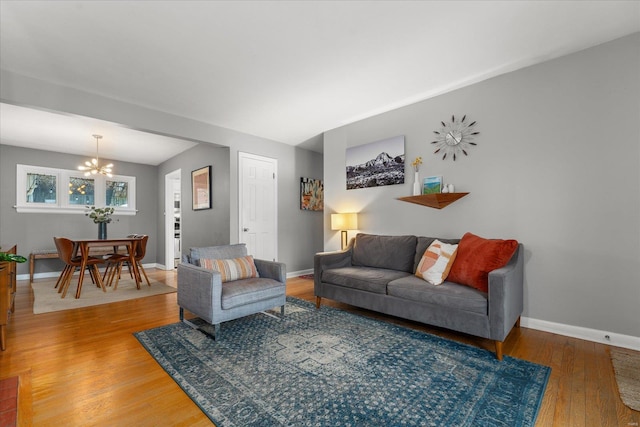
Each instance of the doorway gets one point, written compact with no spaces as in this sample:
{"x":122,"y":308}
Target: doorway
{"x":173,"y":219}
{"x":258,"y":205}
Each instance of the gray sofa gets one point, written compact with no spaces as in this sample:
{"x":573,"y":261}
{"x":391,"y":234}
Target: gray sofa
{"x":377,"y":273}
{"x":202,"y":292}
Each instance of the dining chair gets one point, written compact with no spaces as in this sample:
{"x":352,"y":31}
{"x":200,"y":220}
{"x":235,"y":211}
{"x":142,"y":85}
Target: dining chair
{"x":113,"y":268}
{"x":66,"y":253}
{"x":115,"y":262}
{"x":141,"y":250}
{"x":68,"y":267}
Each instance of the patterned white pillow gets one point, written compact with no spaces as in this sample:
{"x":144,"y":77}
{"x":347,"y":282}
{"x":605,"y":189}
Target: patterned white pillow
{"x":436,"y":262}
{"x":232,"y":269}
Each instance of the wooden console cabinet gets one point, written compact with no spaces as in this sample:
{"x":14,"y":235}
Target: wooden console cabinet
{"x":7,"y":292}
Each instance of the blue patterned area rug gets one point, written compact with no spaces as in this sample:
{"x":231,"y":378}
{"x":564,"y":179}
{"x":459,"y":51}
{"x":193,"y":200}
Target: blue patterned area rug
{"x":329,"y":367}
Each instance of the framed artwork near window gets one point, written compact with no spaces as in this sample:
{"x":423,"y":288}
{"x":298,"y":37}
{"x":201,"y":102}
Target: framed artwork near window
{"x":201,"y":188}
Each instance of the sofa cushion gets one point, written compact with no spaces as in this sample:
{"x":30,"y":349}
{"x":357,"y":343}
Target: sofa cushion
{"x":436,"y":262}
{"x":249,"y":291}
{"x":477,"y":257}
{"x":447,"y":294}
{"x":390,"y":252}
{"x":232,"y":269}
{"x":363,"y":278}
{"x":217,"y":252}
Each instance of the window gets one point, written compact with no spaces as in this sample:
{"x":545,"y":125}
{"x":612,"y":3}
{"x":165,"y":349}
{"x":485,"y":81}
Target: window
{"x":81,"y":191}
{"x":41,"y":189}
{"x":117,"y":193}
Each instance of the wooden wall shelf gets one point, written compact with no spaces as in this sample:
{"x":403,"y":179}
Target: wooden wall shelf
{"x":436,"y":201}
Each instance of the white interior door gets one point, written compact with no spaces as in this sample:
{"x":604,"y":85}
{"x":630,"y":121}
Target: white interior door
{"x":258,"y":199}
{"x":172,"y":220}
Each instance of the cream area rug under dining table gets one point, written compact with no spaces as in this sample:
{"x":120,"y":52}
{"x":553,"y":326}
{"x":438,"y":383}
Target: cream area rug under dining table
{"x":47,"y":299}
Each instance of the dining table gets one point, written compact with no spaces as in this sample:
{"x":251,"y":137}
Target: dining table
{"x":83,"y":247}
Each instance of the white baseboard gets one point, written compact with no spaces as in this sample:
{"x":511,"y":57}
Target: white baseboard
{"x":299,"y":273}
{"x":603,"y":337}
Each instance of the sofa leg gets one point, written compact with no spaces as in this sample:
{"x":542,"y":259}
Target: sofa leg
{"x":181,"y":314}
{"x":318,"y":300}
{"x":518,"y":322}
{"x":282,"y":310}
{"x":499,"y":350}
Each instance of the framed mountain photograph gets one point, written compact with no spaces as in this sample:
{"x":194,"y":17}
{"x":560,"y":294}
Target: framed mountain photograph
{"x":376,"y":164}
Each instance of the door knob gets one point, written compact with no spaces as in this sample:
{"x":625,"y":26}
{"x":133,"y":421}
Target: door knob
{"x":245,"y":229}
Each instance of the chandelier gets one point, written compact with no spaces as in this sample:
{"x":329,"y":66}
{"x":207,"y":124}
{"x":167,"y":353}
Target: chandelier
{"x":93,"y":167}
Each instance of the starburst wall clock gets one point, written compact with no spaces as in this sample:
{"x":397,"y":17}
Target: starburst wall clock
{"x":455,"y":138}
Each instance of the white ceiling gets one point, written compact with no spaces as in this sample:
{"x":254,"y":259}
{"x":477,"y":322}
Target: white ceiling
{"x":42,"y":130}
{"x":282,"y":70}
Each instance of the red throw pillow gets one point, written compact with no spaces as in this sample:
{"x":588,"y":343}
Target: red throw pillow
{"x":477,"y":257}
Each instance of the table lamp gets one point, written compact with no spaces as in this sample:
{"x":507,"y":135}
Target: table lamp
{"x":344,"y":222}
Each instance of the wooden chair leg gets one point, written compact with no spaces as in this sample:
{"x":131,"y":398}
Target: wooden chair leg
{"x":105,"y":275}
{"x":117,"y":275}
{"x":94,"y":280}
{"x":66,"y":282}
{"x":96,"y":274}
{"x":109,"y":273}
{"x":141,"y":268}
{"x":63,"y":273}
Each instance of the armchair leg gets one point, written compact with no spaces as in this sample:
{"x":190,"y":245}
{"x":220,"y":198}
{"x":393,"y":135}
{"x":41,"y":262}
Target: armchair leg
{"x":216,"y":328}
{"x":499,"y":350}
{"x":318,"y":300}
{"x":181,"y":314}
{"x":282,"y":310}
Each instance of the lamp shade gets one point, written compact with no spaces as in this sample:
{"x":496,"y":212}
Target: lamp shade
{"x":344,"y":221}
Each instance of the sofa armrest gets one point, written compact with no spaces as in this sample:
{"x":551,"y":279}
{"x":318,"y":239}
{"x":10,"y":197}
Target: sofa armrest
{"x":199,"y":290}
{"x":271,"y":270}
{"x":506,"y":294}
{"x":326,"y":260}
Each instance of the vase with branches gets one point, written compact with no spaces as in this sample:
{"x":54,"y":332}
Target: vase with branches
{"x":100,"y":216}
{"x":416,"y":176}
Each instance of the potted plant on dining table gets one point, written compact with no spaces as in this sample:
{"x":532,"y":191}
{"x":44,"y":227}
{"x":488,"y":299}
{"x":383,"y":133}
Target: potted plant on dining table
{"x":100,"y":216}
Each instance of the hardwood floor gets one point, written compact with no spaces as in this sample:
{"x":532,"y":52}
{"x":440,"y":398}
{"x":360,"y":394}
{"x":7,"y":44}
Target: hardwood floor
{"x":86,"y":368}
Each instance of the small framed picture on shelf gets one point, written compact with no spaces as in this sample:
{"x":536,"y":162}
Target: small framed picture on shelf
{"x":432,"y":185}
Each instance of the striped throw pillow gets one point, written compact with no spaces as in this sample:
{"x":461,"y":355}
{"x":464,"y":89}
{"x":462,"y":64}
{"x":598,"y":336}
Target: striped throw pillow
{"x":232,"y":269}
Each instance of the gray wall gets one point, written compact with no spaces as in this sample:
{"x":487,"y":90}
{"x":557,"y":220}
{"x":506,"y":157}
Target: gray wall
{"x":204,"y":227}
{"x":36,"y":230}
{"x":556,"y":167}
{"x":299,"y":233}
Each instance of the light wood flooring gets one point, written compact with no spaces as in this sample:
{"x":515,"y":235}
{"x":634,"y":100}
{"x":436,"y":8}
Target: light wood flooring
{"x":85,"y":368}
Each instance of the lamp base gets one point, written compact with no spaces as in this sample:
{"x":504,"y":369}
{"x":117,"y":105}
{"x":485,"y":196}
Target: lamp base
{"x":343,"y":235}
